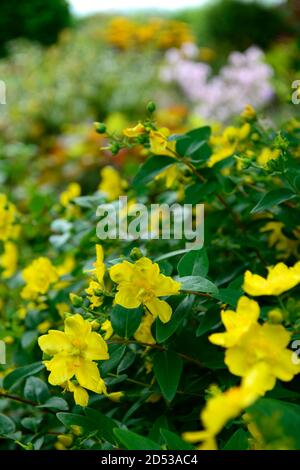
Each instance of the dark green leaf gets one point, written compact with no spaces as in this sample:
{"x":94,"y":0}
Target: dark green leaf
{"x":174,"y":442}
{"x":167,"y":368}
{"x":36,"y":390}
{"x":278,"y":423}
{"x":7,"y":426}
{"x":56,"y":403}
{"x":21,"y":373}
{"x":238,"y":441}
{"x":273,"y":198}
{"x":208,"y":320}
{"x":197,"y":284}
{"x":133,"y":441}
{"x":194,"y":263}
{"x":165,"y":330}
{"x":104,"y":424}
{"x":151,"y":168}
{"x":126,"y":321}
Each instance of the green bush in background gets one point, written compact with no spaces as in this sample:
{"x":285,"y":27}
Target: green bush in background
{"x":38,"y":20}
{"x":236,"y":25}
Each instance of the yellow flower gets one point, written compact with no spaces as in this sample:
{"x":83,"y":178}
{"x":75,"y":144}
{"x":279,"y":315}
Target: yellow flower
{"x":248,"y":113}
{"x":265,"y":344}
{"x":107,"y":327}
{"x":237,"y":323}
{"x":9,"y":260}
{"x":74,"y":352}
{"x":221,"y":407}
{"x":73,"y":190}
{"x":143,"y":333}
{"x":142,"y":283}
{"x":112,"y":184}
{"x":8,"y":214}
{"x":95,"y":288}
{"x":249,"y":344}
{"x":267,"y":155}
{"x":44,"y":326}
{"x":159,"y":143}
{"x":67,"y":266}
{"x":280,"y":278}
{"x":225,"y":145}
{"x":115,"y":396}
{"x":130,"y":132}
{"x":39,"y":276}
{"x":286,"y":246}
{"x":65,"y":439}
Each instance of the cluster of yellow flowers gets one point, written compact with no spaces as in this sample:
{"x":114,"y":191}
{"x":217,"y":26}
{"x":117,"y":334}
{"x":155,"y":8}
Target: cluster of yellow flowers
{"x":9,"y":231}
{"x":74,"y":352}
{"x":256,"y":352}
{"x":124,"y":33}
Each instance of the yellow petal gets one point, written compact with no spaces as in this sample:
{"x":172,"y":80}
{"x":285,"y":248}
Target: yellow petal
{"x":159,"y":308}
{"x":81,"y":396}
{"x":121,"y":272}
{"x":96,"y":347}
{"x":127,"y":297}
{"x":54,"y":342}
{"x":77,"y":327}
{"x":62,"y":369}
{"x":88,"y":376}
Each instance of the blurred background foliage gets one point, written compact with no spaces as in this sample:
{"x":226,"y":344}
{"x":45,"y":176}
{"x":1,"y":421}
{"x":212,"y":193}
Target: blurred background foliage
{"x":201,"y":65}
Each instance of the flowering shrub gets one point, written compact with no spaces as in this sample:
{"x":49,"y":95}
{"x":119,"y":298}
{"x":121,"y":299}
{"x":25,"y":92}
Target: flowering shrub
{"x":125,"y":343}
{"x":246,"y":78}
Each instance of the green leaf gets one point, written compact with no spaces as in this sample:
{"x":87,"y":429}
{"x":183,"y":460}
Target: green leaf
{"x":194,"y":263}
{"x":167,"y":368}
{"x":174,"y":442}
{"x":132,"y":441}
{"x":238,"y":441}
{"x":165,"y":330}
{"x":126,"y":321}
{"x":272,"y":198}
{"x":7,"y":426}
{"x":104,"y":424}
{"x":28,"y":339}
{"x":32,"y":423}
{"x":116,"y":352}
{"x":194,"y":144}
{"x":152,"y":167}
{"x":21,"y":373}
{"x":198,"y":192}
{"x":197,"y":284}
{"x":208,"y":320}
{"x":278,"y":422}
{"x":56,"y":403}
{"x":229,"y":296}
{"x":126,"y":361}
{"x":70,"y":419}
{"x":36,"y":390}
{"x":171,"y":254}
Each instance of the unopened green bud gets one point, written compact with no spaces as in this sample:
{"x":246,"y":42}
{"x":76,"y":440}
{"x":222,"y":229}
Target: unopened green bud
{"x":136,"y":254}
{"x":151,"y":107}
{"x":100,"y":127}
{"x":76,"y":300}
{"x":114,"y":148}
